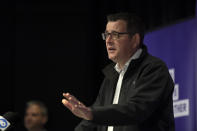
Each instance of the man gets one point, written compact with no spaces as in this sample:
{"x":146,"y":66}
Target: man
{"x":35,"y":116}
{"x":136,"y":94}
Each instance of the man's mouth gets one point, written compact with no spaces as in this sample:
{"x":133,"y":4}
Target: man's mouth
{"x":111,"y":49}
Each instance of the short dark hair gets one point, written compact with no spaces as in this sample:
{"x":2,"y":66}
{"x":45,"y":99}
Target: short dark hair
{"x":44,"y":110}
{"x":134,"y":23}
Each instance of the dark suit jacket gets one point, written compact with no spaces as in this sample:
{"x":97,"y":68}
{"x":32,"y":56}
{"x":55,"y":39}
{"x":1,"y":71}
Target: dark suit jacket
{"x":145,"y":101}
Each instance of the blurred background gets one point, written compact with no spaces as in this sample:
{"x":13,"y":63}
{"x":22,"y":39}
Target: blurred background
{"x":50,"y":47}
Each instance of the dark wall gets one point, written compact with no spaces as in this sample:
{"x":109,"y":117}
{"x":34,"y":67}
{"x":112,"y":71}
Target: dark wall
{"x":51,"y":47}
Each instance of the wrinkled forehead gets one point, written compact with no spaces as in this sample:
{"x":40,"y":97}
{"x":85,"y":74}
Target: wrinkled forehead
{"x":118,"y":26}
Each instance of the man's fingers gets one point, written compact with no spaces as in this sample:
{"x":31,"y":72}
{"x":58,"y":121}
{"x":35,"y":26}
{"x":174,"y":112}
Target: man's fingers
{"x":72,"y":107}
{"x":76,"y":107}
{"x":67,"y":104}
{"x":71,"y":102}
{"x":66,"y":95}
{"x":71,"y":99}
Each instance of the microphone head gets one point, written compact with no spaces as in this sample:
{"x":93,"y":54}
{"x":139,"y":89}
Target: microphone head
{"x":12,"y":117}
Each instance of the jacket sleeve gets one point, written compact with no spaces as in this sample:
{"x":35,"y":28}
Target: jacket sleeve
{"x":152,"y":84}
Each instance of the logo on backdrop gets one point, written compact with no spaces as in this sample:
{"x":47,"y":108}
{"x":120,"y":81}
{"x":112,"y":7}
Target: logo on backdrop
{"x":181,"y":107}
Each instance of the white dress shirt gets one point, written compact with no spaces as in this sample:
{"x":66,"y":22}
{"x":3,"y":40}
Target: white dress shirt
{"x":121,"y":75}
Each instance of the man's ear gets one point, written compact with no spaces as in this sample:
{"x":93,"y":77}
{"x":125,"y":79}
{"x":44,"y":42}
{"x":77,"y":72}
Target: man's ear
{"x":136,"y":39}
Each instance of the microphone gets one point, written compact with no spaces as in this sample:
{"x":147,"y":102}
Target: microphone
{"x":9,"y":120}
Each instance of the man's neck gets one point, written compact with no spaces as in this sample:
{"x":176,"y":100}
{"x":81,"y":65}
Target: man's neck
{"x":134,"y":55}
{"x":123,"y":62}
{"x":121,"y":65}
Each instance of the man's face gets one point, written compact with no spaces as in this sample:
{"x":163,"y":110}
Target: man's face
{"x":119,"y":50}
{"x":33,"y":118}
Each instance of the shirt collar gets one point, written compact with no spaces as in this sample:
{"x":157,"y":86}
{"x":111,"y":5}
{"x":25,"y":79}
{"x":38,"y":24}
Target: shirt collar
{"x":135,"y":56}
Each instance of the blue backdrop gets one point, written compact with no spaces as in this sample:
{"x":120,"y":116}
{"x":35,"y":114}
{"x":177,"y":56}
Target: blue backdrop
{"x":177,"y":46}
